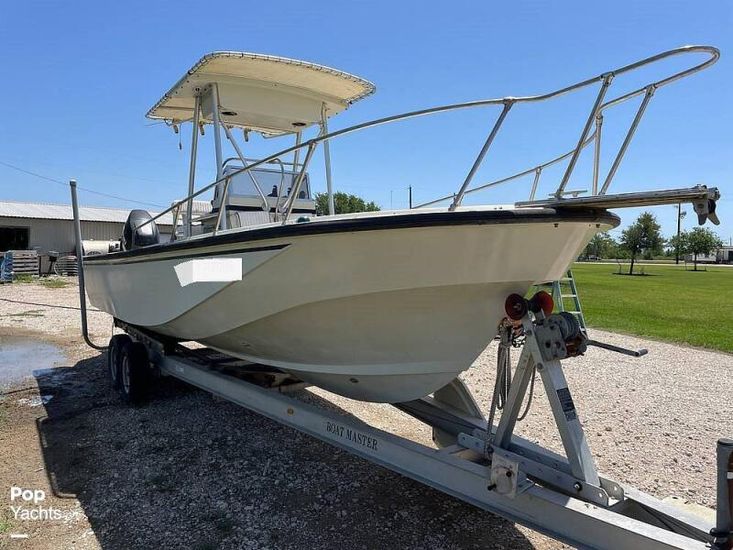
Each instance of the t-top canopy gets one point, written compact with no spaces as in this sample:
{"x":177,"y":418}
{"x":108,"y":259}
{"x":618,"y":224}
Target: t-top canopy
{"x":264,"y":93}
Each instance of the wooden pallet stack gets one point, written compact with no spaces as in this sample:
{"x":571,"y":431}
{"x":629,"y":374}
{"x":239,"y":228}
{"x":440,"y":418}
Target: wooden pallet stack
{"x":19,"y":262}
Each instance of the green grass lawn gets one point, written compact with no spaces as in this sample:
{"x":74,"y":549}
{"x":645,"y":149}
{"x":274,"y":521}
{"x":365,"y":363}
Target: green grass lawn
{"x":694,"y":308}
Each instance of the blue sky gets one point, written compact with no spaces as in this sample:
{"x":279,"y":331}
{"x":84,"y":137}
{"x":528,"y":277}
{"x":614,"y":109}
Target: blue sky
{"x":79,"y":77}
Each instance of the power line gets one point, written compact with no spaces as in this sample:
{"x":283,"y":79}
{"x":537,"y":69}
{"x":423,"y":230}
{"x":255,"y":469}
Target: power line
{"x":65,"y":184}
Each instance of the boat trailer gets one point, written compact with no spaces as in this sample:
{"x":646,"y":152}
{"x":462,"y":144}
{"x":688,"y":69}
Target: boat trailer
{"x":475,"y":459}
{"x":563,"y":497}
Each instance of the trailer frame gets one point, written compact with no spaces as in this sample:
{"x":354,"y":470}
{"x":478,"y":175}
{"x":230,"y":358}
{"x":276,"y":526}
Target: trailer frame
{"x":562,"y":497}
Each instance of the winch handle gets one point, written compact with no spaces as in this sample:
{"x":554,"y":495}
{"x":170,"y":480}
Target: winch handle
{"x":617,"y":349}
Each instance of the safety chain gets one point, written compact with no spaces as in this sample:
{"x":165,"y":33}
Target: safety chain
{"x":511,"y":335}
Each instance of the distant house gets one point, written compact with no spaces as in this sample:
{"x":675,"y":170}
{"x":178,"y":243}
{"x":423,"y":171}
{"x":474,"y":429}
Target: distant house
{"x":46,"y":227}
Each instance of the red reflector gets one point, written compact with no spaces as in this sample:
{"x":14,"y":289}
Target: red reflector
{"x":515,"y":307}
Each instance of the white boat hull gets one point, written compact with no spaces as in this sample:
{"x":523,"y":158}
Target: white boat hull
{"x":387,"y":315}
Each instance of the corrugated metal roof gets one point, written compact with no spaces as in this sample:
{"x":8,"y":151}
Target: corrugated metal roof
{"x":198,"y":207}
{"x":49,"y":211}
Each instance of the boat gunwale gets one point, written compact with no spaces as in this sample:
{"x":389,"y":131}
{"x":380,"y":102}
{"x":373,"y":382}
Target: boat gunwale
{"x":331,"y":224}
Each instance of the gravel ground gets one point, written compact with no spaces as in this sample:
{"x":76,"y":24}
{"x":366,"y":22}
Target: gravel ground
{"x":188,"y":470}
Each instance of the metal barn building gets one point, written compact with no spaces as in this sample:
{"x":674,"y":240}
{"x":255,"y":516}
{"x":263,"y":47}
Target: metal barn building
{"x":45,"y":227}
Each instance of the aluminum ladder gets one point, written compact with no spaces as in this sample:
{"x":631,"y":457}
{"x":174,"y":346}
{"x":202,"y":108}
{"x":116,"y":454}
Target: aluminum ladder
{"x":559,"y":298}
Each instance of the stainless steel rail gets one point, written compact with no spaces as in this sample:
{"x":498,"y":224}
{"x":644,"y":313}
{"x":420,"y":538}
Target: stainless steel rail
{"x":230,"y":137}
{"x":480,"y":158}
{"x":598,"y":107}
{"x":536,"y":169}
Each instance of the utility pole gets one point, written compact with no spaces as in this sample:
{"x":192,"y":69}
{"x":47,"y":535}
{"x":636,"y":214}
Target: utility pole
{"x":680,"y":215}
{"x":409,"y":189}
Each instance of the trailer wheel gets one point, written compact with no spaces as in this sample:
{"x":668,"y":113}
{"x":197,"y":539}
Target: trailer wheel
{"x":134,"y":372}
{"x":116,"y":343}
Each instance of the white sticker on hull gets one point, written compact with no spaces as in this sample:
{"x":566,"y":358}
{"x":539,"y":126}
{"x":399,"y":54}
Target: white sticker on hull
{"x":209,"y":270}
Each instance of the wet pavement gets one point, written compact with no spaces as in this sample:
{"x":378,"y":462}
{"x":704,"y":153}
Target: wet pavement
{"x":21,"y":357}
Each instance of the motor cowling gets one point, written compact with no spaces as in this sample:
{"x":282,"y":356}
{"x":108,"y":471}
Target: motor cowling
{"x":136,"y":235}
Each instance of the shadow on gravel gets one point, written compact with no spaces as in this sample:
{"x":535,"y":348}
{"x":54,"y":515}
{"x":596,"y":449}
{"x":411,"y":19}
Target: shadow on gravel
{"x":187,"y":470}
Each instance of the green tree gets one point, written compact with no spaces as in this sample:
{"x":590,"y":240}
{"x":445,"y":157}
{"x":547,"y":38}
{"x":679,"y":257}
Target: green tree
{"x":698,"y":242}
{"x":602,"y":245}
{"x":343,"y":204}
{"x":678,"y":244}
{"x":643,"y":235}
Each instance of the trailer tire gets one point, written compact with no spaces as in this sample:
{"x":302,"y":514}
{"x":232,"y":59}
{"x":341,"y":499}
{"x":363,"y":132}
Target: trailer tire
{"x":134,"y":372}
{"x":116,"y":343}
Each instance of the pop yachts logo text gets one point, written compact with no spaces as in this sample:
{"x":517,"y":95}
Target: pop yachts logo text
{"x":27,"y":504}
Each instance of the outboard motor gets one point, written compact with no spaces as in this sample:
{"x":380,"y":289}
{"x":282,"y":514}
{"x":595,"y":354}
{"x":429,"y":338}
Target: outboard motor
{"x":142,"y":236}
